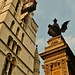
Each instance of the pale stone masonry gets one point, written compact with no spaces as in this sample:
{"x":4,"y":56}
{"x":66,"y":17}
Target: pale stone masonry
{"x":36,"y":62}
{"x":17,"y":39}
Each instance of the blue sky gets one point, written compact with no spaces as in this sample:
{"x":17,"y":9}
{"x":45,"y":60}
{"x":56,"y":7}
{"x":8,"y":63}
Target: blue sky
{"x":46,"y":11}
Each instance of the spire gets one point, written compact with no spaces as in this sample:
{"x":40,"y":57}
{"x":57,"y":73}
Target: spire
{"x":36,"y":53}
{"x":36,"y":62}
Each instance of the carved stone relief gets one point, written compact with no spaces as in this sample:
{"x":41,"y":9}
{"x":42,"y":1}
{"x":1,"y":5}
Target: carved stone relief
{"x":64,"y":67}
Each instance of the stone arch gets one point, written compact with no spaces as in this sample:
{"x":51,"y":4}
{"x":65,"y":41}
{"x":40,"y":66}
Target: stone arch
{"x":7,"y":64}
{"x":13,"y":60}
{"x":9,"y":56}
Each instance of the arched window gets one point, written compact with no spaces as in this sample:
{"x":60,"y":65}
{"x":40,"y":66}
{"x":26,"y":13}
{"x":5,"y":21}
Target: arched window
{"x":9,"y":40}
{"x":17,"y":5}
{"x":22,"y":37}
{"x":18,"y":50}
{"x":12,"y":24}
{"x":18,"y":29}
{"x":7,"y":64}
{"x":14,"y":45}
{"x":12,"y":65}
{"x":26,"y":19}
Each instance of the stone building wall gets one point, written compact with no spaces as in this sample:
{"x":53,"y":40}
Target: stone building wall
{"x":17,"y":39}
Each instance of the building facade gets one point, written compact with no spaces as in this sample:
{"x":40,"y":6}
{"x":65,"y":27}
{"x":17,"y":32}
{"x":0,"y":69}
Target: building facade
{"x":17,"y":39}
{"x":58,"y":58}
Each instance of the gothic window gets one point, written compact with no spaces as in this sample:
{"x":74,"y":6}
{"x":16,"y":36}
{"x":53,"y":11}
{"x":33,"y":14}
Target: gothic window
{"x":17,"y":5}
{"x":23,"y":26}
{"x":14,"y":45}
{"x":12,"y":65}
{"x":10,"y":69}
{"x":26,"y":19}
{"x":12,"y":24}
{"x":22,"y":37}
{"x":7,"y":64}
{"x":18,"y":29}
{"x":9,"y":40}
{"x":18,"y":50}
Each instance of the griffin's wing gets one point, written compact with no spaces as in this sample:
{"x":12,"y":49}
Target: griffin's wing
{"x":64,"y":26}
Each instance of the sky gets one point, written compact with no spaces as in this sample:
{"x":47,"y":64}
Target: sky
{"x":44,"y":15}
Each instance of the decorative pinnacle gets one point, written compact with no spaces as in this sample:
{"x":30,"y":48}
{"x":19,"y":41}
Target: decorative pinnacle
{"x":55,"y":21}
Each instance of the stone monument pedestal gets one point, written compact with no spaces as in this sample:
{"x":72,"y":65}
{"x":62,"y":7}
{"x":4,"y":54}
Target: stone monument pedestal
{"x":58,"y":58}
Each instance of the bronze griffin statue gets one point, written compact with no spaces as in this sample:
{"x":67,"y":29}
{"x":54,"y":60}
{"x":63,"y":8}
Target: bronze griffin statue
{"x":55,"y":30}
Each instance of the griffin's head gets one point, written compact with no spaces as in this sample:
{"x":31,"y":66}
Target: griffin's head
{"x":49,"y":25}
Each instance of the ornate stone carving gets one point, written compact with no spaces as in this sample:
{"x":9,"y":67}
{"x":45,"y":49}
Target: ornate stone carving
{"x":56,"y":65}
{"x":64,"y":67}
{"x":47,"y":67}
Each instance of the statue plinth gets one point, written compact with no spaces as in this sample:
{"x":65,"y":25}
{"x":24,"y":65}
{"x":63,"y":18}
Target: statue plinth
{"x":56,"y":42}
{"x":57,"y":57}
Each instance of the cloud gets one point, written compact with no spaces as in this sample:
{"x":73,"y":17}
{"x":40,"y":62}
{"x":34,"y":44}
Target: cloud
{"x":69,"y":39}
{"x":42,"y":43}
